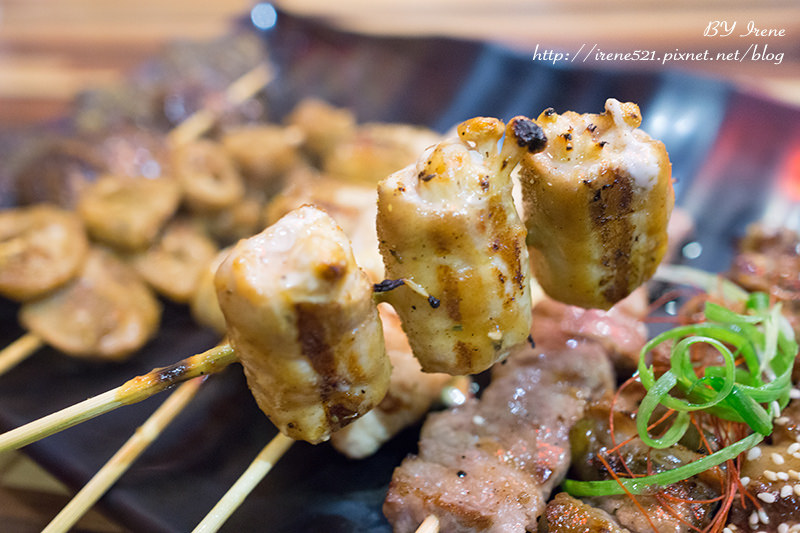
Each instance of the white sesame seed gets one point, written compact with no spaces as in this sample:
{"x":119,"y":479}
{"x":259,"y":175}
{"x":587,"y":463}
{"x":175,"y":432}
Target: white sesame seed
{"x":744,"y":481}
{"x":766,"y":497}
{"x":727,"y":530}
{"x":776,"y":408}
{"x":770,"y":475}
{"x":478,"y":420}
{"x":782,"y":421}
{"x":794,"y":473}
{"x":794,"y":393}
{"x":786,"y":491}
{"x":762,"y":514}
{"x":783,"y":528}
{"x":793,"y":447}
{"x":796,"y":455}
{"x":783,"y":476}
{"x":753,"y":453}
{"x":797,"y":489}
{"x":777,"y":458}
{"x":753,"y":519}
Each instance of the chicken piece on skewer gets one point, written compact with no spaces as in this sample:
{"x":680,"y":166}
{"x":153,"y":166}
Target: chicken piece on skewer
{"x":207,"y":175}
{"x":449,"y":225}
{"x":411,"y":391}
{"x":597,"y":202}
{"x":301,"y":318}
{"x":128,"y":213}
{"x":353,"y":206}
{"x":41,"y":248}
{"x":411,"y":394}
{"x":105,"y":313}
{"x":174,"y":264}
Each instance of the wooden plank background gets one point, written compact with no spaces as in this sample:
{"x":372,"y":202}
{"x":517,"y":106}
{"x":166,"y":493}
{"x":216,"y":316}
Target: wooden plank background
{"x":50,"y":49}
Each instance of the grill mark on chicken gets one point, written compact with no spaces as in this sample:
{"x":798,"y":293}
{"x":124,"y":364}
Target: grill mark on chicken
{"x":314,"y":328}
{"x":610,"y":208}
{"x":506,"y":241}
{"x":450,"y":294}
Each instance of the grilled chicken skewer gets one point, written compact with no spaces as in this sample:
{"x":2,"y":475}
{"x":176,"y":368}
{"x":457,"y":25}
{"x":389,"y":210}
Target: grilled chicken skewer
{"x":333,"y":360}
{"x":449,"y":224}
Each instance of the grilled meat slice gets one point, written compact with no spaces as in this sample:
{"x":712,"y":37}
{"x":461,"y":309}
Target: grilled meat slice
{"x":680,"y":507}
{"x":490,"y":464}
{"x":565,"y":514}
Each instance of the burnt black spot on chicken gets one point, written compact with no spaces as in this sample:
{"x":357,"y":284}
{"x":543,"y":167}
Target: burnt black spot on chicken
{"x":530,"y":135}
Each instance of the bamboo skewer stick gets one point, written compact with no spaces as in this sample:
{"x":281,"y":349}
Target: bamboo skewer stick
{"x":124,"y":458}
{"x":232,"y":499}
{"x":236,"y":93}
{"x":18,"y":351}
{"x":429,"y":525}
{"x":132,"y":391}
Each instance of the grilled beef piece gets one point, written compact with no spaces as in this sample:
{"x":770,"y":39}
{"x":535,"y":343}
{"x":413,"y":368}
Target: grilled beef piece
{"x":619,"y":330}
{"x":665,"y":510}
{"x":565,"y":514}
{"x":490,"y":464}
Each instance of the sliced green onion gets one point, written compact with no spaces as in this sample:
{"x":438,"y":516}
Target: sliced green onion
{"x":745,"y":393}
{"x":609,"y":487}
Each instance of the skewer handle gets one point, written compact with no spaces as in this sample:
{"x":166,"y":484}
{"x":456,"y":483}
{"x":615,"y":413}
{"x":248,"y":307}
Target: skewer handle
{"x":429,"y":525}
{"x":124,"y":458}
{"x":237,"y":92}
{"x":133,"y":391}
{"x":232,"y":499}
{"x":18,"y":351}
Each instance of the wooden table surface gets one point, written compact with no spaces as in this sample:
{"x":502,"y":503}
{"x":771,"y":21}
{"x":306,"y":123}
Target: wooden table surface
{"x":51,"y":49}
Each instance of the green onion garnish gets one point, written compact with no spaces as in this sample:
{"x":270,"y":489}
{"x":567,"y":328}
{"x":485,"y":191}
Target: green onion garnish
{"x":758,"y":350}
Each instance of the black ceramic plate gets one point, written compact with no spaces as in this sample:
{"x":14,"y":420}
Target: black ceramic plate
{"x":736,"y":159}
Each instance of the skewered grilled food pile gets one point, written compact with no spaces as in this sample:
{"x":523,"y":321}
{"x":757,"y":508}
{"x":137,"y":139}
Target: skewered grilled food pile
{"x":457,"y":268}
